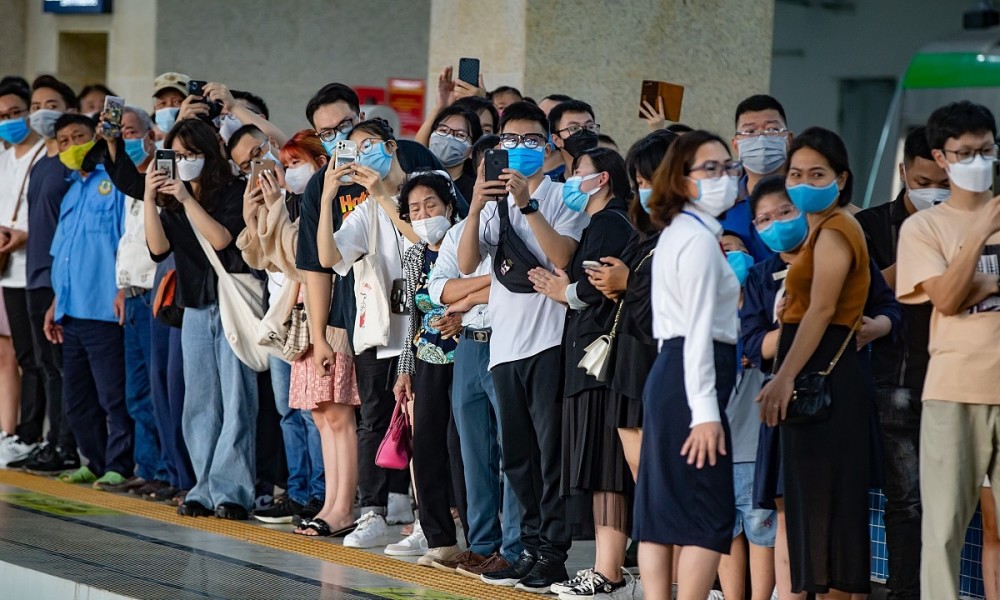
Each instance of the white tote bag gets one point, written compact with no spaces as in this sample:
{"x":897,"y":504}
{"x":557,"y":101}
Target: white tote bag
{"x":371,"y":325}
{"x":241,"y":307}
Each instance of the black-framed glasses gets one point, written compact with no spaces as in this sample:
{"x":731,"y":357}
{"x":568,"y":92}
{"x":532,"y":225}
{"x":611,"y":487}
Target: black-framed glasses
{"x":769,"y":132}
{"x":574,"y":129}
{"x":16,"y":113}
{"x":715,"y":169}
{"x":254,"y":155}
{"x":330,"y":133}
{"x":966,"y":156}
{"x":188,"y":157}
{"x":459,"y":134}
{"x":531,"y":141}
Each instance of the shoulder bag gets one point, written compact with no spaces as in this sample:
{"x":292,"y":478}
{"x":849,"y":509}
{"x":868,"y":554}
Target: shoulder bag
{"x":284,"y":330}
{"x":512,"y":258}
{"x":371,"y":325}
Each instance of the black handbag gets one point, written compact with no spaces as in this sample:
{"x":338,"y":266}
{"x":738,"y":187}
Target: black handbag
{"x":512,"y":258}
{"x":812,"y":397}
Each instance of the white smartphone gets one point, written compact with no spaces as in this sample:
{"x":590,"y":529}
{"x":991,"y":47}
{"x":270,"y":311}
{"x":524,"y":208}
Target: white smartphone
{"x":592,"y":264}
{"x":345,"y":152}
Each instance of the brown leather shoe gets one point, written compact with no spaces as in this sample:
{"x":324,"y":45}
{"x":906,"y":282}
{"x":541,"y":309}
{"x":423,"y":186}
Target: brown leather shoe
{"x":466,"y":558}
{"x":494,"y":562}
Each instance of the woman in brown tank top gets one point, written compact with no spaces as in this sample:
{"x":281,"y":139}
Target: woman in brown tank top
{"x":825,"y":461}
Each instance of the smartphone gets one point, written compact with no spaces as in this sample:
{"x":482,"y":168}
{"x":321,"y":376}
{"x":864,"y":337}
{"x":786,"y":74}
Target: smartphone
{"x":258,"y":166}
{"x":468,"y":71}
{"x":113,"y":107}
{"x":196,"y":87}
{"x":996,"y":177}
{"x":165,"y":162}
{"x":495,"y":162}
{"x":344,"y":153}
{"x":592,"y":264}
{"x":671,"y":93}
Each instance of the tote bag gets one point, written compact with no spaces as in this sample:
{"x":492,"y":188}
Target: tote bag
{"x":371,"y":325}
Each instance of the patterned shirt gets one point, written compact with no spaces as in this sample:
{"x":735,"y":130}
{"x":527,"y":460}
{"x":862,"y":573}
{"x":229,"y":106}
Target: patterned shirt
{"x":425,"y":342}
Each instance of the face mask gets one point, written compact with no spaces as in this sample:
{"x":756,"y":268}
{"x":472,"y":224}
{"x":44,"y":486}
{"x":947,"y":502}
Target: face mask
{"x":923,"y":198}
{"x":575,"y":198}
{"x":92,"y":114}
{"x":432,"y":230}
{"x":763,"y":154}
{"x":228,"y":126}
{"x":812,"y":199}
{"x":136,"y":150}
{"x":14,"y":131}
{"x":298,"y":177}
{"x":976,"y":176}
{"x":165,"y":118}
{"x":43,"y":121}
{"x":740,"y":262}
{"x":526,"y":161}
{"x":72,"y":157}
{"x":447,"y":149}
{"x":716,"y":196}
{"x":376,"y":158}
{"x":644,"y":194}
{"x":189,"y":170}
{"x":580,"y":142}
{"x":332,"y":144}
{"x":785,"y":236}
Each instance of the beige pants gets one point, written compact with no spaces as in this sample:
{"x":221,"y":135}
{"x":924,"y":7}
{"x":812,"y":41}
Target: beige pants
{"x":957,"y":442}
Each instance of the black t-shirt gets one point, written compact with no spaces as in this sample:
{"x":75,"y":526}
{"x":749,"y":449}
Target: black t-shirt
{"x":196,"y":280}
{"x":412,"y":157}
{"x":48,"y":184}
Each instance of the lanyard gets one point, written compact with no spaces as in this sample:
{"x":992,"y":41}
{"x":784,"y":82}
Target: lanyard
{"x":697,"y":218}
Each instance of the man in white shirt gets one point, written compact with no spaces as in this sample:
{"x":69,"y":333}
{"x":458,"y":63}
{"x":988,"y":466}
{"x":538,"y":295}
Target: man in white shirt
{"x":525,"y":347}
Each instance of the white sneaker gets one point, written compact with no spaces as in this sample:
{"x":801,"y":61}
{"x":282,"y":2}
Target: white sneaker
{"x":13,"y":449}
{"x":400,"y":510}
{"x":371,"y":532}
{"x":440,"y":553}
{"x":413,"y":545}
{"x":581,"y":576}
{"x":716,"y":595}
{"x":595,"y":586}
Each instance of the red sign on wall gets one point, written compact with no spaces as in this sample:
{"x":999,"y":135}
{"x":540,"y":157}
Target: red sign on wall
{"x":370,"y":95}
{"x":406,"y":97}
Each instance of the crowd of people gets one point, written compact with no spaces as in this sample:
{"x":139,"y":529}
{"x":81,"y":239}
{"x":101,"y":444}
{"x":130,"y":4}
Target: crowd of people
{"x":703,"y":340}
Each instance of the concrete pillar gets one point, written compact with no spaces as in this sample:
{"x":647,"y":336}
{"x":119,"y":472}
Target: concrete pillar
{"x":601,"y":50}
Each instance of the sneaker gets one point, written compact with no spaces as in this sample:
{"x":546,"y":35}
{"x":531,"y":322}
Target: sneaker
{"x":582,"y":576}
{"x":715,"y":595}
{"x":19,"y":464}
{"x":12,"y":449}
{"x":151,"y":487}
{"x":53,"y":460}
{"x":400,"y":510}
{"x":282,"y":511}
{"x":493,"y":563}
{"x":414,"y":544}
{"x":81,"y":475}
{"x":467,"y":557}
{"x":111,"y":479}
{"x":371,"y":532}
{"x":542,"y":576}
{"x":125,"y":487}
{"x":596,"y":585}
{"x":512,"y":574}
{"x":263,"y":502}
{"x":439,"y":553}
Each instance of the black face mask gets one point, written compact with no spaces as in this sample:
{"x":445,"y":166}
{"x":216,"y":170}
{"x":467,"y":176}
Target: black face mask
{"x":580,"y":142}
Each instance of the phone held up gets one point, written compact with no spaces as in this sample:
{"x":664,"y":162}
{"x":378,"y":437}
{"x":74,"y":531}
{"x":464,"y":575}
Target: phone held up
{"x":258,"y":167}
{"x":670,"y":93}
{"x":495,"y":160}
{"x":164,"y":161}
{"x":196,"y":87}
{"x":468,"y":71}
{"x":345,"y":152}
{"x":112,"y":113}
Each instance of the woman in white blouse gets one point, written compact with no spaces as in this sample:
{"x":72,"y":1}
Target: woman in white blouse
{"x":684,"y":493}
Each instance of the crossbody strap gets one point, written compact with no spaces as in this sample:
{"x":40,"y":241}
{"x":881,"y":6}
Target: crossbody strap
{"x":24,"y":182}
{"x":836,"y":358}
{"x":621,"y":303}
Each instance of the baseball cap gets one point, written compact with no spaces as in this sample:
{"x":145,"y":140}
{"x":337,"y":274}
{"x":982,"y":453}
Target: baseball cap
{"x":171,"y":81}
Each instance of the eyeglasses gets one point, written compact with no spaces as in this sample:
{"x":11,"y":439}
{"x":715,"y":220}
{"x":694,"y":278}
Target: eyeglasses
{"x":254,"y":155}
{"x":715,"y":169}
{"x":188,"y":157}
{"x":531,"y":141}
{"x":779,"y":214}
{"x":967,"y":156}
{"x":769,"y":132}
{"x":459,"y":134}
{"x":13,"y":114}
{"x":345,"y":127}
{"x":368,"y":143}
{"x":574,"y":129}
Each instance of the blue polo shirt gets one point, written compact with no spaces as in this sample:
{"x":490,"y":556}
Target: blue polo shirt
{"x":739,"y":220}
{"x":91,"y":222}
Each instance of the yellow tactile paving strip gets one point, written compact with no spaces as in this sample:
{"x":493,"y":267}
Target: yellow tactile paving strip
{"x":380,"y":565}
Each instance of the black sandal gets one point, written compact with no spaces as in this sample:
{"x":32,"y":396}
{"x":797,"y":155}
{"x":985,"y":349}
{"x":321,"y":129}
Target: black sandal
{"x":321,"y":527}
{"x":190,"y":508}
{"x":231,"y":512}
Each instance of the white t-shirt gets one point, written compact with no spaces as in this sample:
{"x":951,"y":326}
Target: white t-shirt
{"x":527,"y":324}
{"x":133,"y":266}
{"x":390,"y":246}
{"x":446,"y":268}
{"x":12,"y":175}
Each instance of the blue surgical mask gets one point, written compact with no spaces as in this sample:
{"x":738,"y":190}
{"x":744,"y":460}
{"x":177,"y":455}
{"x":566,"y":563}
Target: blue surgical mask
{"x":785,"y":236}
{"x":740,"y":262}
{"x":332,"y":144}
{"x":376,"y":158}
{"x":165,"y":118}
{"x":575,"y":198}
{"x":812,"y":199}
{"x":136,"y":150}
{"x":526,"y":161}
{"x":644,"y":194}
{"x":14,"y":131}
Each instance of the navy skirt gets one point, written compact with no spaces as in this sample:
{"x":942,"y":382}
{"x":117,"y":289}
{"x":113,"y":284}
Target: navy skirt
{"x":677,"y":503}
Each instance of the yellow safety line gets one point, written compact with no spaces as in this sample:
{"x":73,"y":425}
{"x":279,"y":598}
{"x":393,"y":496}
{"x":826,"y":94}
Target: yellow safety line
{"x":319,"y":549}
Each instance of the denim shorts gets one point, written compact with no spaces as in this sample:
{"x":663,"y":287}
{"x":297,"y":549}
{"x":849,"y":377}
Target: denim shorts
{"x":760,"y":525}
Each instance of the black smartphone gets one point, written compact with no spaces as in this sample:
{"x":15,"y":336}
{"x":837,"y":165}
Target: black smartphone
{"x":996,"y":177}
{"x":164,"y":160}
{"x":496,"y":161}
{"x":468,"y":71}
{"x":196,"y":87}
{"x":397,"y":297}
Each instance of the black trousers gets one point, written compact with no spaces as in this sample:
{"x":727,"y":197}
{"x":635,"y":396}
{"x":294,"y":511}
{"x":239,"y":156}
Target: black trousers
{"x":431,"y":472}
{"x":49,"y":357}
{"x":32,"y":417}
{"x":375,"y":380}
{"x":529,"y":395}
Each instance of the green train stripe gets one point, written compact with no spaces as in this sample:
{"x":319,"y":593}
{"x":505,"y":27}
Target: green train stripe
{"x":952,"y":70}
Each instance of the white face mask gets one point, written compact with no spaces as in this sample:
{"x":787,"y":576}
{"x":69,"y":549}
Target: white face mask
{"x":432,"y":230}
{"x":296,"y":178}
{"x":43,"y":121}
{"x":716,"y":196}
{"x":189,"y":170}
{"x":923,"y":198}
{"x":228,"y":127}
{"x":977,"y":176}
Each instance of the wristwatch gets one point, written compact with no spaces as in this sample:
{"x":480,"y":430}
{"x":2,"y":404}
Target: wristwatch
{"x":531,"y":207}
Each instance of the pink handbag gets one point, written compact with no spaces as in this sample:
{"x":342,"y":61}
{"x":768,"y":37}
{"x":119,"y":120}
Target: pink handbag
{"x":396,"y":448}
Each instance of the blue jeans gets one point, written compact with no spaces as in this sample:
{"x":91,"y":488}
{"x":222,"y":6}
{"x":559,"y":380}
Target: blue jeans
{"x":138,"y":399}
{"x":474,"y":407}
{"x":220,"y":412}
{"x":303,"y":451}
